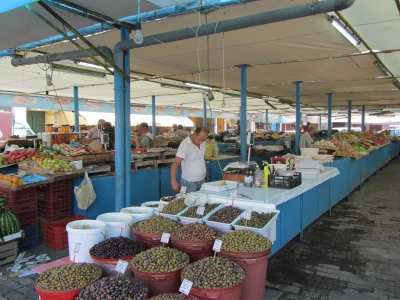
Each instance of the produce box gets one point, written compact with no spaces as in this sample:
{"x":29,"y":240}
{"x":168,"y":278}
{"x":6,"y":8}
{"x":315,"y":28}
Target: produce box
{"x":8,"y":252}
{"x":93,"y":158}
{"x":55,"y":200}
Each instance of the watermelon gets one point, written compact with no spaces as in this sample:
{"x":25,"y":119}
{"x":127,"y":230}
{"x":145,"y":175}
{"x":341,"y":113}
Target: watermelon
{"x":3,"y":203}
{"x":9,"y":223}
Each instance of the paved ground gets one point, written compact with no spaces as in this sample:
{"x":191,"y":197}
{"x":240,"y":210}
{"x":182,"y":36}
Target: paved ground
{"x":354,"y":254}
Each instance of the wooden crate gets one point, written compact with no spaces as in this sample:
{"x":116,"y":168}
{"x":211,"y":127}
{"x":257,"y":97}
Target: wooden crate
{"x":144,"y":164}
{"x":171,"y":153}
{"x":8,"y":252}
{"x":165,"y":162}
{"x":145,"y":156}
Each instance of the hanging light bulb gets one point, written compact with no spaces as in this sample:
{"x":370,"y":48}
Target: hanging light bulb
{"x":138,"y":39}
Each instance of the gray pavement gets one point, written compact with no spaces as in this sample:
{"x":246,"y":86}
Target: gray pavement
{"x":352,"y":255}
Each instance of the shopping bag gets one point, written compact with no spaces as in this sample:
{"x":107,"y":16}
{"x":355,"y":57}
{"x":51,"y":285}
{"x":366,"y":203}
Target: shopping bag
{"x":85,"y":194}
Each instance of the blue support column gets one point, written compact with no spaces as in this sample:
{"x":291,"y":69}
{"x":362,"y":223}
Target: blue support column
{"x":127,"y":122}
{"x":329,"y":115}
{"x":266,"y":119}
{"x":349,"y":117}
{"x":320,"y":123}
{"x":363,"y":118}
{"x":205,"y":114}
{"x":298,"y":118}
{"x":243,"y":108}
{"x":76,"y":108}
{"x":153,"y":116}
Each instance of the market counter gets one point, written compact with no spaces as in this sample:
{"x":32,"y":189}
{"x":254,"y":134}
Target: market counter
{"x":223,"y":157}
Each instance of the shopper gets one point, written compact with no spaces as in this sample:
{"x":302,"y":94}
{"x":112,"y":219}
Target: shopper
{"x":307,"y":139}
{"x":191,"y":156}
{"x":94,"y":132}
{"x":109,"y":129}
{"x":304,"y":128}
{"x":145,"y":127}
{"x":174,"y":131}
{"x":142,"y":140}
{"x":181,"y":133}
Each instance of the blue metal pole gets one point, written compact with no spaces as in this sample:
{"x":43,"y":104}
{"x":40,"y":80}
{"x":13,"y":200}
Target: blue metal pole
{"x":205,"y":114}
{"x":363,"y":118}
{"x":320,"y":122}
{"x":153,"y":115}
{"x":243,"y":108}
{"x":127,"y":121}
{"x":76,"y":108}
{"x":266,"y":119}
{"x":349,"y":117}
{"x":329,"y":115}
{"x":298,"y":118}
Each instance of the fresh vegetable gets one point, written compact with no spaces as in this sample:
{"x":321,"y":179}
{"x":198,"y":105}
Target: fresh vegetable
{"x":9,"y":223}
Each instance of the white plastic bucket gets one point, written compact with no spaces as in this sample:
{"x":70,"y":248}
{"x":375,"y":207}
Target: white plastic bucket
{"x":87,"y":238}
{"x":138,"y":213}
{"x":113,"y":222}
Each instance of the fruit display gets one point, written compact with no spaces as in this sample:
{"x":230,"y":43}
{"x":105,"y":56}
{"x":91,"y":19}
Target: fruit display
{"x":19,"y":156}
{"x":116,"y":247}
{"x":12,"y":180}
{"x":3,"y":160}
{"x":65,"y":149}
{"x":114,"y":288}
{"x":56,"y":165}
{"x":214,"y":273}
{"x":258,"y":220}
{"x":226,"y":214}
{"x":380,"y":140}
{"x":195,"y":232}
{"x":174,"y":207}
{"x":9,"y":222}
{"x":324,"y":143}
{"x":68,"y":277}
{"x":245,"y":241}
{"x":173,"y":297}
{"x":160,"y":260}
{"x":191,"y":212}
{"x":156,"y":224}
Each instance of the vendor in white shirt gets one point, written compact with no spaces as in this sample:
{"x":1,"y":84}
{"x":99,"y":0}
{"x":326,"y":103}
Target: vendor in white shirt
{"x":307,"y":138}
{"x":191,"y":156}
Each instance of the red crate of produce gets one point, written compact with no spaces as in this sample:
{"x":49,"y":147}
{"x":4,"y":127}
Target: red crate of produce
{"x":28,"y":219}
{"x":21,"y":200}
{"x":55,"y":234}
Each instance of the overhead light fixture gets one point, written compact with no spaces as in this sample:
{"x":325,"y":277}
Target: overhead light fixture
{"x":176,"y":87}
{"x":198,"y":86}
{"x":381,"y":69}
{"x":85,"y":64}
{"x":396,"y":84}
{"x":72,"y":70}
{"x":138,"y":39}
{"x":382,"y":113}
{"x":371,"y":109}
{"x":344,"y":30}
{"x":269,"y":104}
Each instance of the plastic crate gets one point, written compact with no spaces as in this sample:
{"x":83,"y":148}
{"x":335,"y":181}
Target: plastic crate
{"x":55,"y":200}
{"x":41,"y":222}
{"x":55,"y":234}
{"x":28,"y":219}
{"x":31,"y":238}
{"x":21,"y":200}
{"x":284,"y":182}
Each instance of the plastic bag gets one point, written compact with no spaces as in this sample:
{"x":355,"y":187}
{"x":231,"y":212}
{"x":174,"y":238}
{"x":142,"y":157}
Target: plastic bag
{"x":209,"y":151}
{"x":85,"y":194}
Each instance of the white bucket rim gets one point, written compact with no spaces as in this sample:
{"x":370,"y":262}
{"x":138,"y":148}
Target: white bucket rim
{"x":100,"y":227}
{"x":146,"y":210}
{"x":126,"y":218}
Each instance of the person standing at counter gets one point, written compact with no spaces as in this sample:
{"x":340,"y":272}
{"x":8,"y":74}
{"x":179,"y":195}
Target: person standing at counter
{"x":142,"y":140}
{"x":181,"y":133}
{"x":191,"y":156}
{"x":307,"y":138}
{"x":304,"y":128}
{"x":94,"y":131}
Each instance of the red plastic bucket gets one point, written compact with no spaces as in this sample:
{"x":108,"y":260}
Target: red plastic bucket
{"x":64,"y":295}
{"x":108,"y":265}
{"x":231,"y":293}
{"x":159,"y":283}
{"x":256,"y":276}
{"x":175,"y":294}
{"x":149,"y":240}
{"x":230,"y":254}
{"x":195,"y":249}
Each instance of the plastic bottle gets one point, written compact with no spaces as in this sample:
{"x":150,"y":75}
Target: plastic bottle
{"x":258,"y":176}
{"x":266,"y":172}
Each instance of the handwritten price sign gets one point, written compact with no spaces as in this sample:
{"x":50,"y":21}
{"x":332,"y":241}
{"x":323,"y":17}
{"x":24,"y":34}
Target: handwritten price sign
{"x":200,"y":210}
{"x":160,"y":207}
{"x":217,"y":245}
{"x":247,"y":215}
{"x":234,"y":193}
{"x":183,"y":190}
{"x":186,"y":286}
{"x":123,"y":224}
{"x":165,"y":238}
{"x":121,"y":266}
{"x":77,"y":247}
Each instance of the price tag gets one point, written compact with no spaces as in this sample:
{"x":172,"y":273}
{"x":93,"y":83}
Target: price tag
{"x":121,"y":266}
{"x":234,"y":193}
{"x":77,"y":247}
{"x":186,"y":286}
{"x":160,"y":207}
{"x":247,"y":215}
{"x":217,"y":245}
{"x":165,"y":238}
{"x":200,"y":210}
{"x":183,"y":190}
{"x":123,"y":224}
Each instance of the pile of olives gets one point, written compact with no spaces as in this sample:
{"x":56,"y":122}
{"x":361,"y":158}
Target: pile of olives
{"x":173,"y":297}
{"x":258,"y":220}
{"x":191,"y":212}
{"x":245,"y":241}
{"x":114,"y":288}
{"x":68,"y":277}
{"x":156,"y":224}
{"x":195,"y":232}
{"x":174,"y":207}
{"x":214,"y":273}
{"x":226,"y":214}
{"x":159,"y":260}
{"x":116,"y":247}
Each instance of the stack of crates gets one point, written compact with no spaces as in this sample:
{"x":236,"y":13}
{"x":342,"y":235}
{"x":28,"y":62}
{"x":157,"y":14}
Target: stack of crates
{"x":23,"y":203}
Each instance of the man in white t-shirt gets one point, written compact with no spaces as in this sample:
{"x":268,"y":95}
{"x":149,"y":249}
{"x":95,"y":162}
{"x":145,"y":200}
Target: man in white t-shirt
{"x":191,"y":156}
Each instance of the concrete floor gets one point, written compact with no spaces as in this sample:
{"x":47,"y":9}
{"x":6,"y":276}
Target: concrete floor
{"x":353,"y":254}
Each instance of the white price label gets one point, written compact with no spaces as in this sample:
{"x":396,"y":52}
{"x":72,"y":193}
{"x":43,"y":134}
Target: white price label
{"x":160,"y":207}
{"x":77,"y":247}
{"x":186,"y":286}
{"x":121,"y":266}
{"x":234,"y":193}
{"x":123,"y":224}
{"x":183,"y":189}
{"x":165,"y":238}
{"x":247,"y":215}
{"x":200,"y":210}
{"x":217,"y":245}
